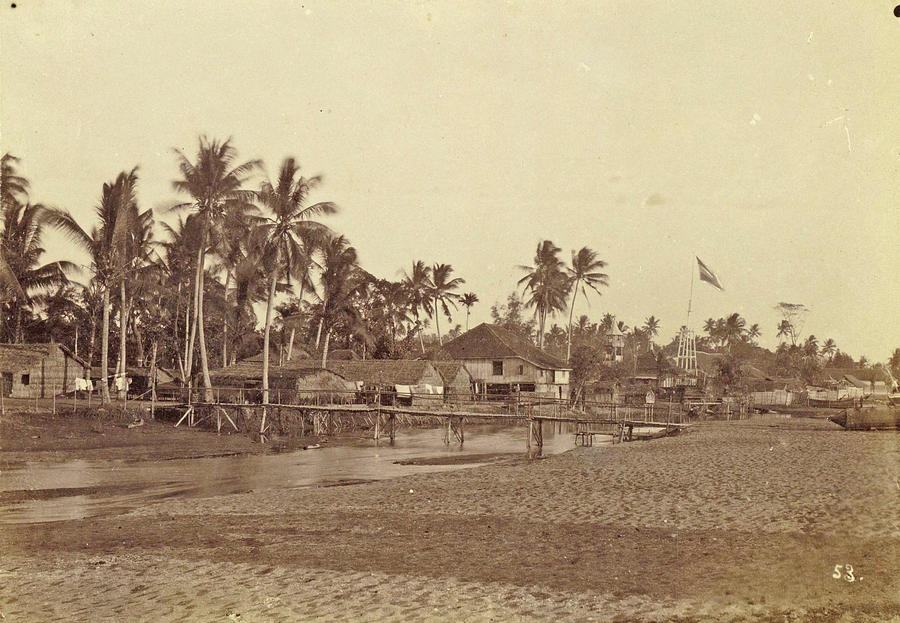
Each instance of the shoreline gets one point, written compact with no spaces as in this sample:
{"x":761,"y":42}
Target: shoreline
{"x":741,"y":520}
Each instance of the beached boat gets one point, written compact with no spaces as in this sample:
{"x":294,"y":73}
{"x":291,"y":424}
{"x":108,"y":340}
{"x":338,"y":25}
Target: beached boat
{"x":869,"y":417}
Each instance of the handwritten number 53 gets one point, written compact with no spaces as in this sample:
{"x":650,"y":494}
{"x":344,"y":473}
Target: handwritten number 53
{"x":845,"y":572}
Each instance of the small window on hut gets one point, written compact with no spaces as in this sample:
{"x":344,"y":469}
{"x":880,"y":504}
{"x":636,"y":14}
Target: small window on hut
{"x":26,"y":379}
{"x":521,"y":370}
{"x":498,"y":368}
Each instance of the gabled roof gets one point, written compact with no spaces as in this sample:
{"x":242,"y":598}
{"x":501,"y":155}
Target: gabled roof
{"x":488,"y":341}
{"x":858,"y":374}
{"x":449,"y":370}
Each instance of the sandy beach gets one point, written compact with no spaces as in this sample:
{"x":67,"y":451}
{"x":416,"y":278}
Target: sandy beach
{"x":731,"y":521}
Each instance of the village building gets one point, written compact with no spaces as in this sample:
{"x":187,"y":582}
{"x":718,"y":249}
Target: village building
{"x":39,"y":370}
{"x":456,"y":378}
{"x":614,"y":345}
{"x":503,"y":362}
{"x":288,"y":384}
{"x":411,"y":382}
{"x":876,"y":382}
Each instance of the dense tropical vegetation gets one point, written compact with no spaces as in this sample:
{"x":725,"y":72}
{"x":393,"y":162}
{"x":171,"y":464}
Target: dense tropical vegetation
{"x":181,"y":288}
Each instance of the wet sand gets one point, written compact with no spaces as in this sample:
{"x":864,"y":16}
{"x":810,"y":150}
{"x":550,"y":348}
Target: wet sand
{"x":731,"y":521}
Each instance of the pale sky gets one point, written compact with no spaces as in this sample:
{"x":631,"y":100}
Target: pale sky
{"x":761,"y":136}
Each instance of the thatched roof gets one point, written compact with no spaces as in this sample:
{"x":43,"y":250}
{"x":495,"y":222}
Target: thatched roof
{"x":296,"y":353}
{"x":29,"y":353}
{"x":248,"y":370}
{"x":449,"y":370}
{"x":343,"y":354}
{"x":488,"y":341}
{"x":377,"y":371}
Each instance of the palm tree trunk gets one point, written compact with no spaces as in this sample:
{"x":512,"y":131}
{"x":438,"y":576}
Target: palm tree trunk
{"x":319,"y":332}
{"x":225,"y":324}
{"x":153,"y":379}
{"x":204,"y":361}
{"x":139,"y":342}
{"x":290,"y":348}
{"x":189,"y":351}
{"x":419,"y":331}
{"x":93,"y":340}
{"x":467,"y":318}
{"x":265,"y":376}
{"x":541,"y":321}
{"x":571,"y":312}
{"x":325,"y":348}
{"x":437,"y":322}
{"x":104,"y":350}
{"x":123,"y":323}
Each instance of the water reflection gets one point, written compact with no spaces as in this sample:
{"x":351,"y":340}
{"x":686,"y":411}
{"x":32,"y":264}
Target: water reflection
{"x":118,"y":486}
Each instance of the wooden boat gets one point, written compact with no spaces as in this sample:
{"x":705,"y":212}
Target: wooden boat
{"x":869,"y":417}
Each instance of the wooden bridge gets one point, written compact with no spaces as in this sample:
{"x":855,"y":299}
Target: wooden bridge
{"x":618,"y":421}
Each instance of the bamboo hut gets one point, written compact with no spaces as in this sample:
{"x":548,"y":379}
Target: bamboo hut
{"x":39,"y":370}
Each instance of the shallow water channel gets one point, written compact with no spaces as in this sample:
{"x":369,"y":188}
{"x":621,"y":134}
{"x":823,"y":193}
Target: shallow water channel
{"x":80,"y":488}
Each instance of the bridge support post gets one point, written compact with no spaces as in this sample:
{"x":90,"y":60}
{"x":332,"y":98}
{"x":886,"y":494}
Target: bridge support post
{"x":537,"y":432}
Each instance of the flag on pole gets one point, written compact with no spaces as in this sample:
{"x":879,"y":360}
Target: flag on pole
{"x":708,"y":276}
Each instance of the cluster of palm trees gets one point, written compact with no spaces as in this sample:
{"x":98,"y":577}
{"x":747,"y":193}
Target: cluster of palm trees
{"x":726,"y":332}
{"x":432,"y":291}
{"x":230,"y":246}
{"x":551,"y":285}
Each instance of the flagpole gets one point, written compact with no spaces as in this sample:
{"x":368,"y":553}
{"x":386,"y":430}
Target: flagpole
{"x":691,"y":298}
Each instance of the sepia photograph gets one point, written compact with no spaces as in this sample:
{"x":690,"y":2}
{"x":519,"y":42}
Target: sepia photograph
{"x":405,"y":310}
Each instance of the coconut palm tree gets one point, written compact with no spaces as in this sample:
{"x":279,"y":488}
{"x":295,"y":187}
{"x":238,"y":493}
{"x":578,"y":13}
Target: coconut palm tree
{"x":21,"y":273}
{"x":468,"y":300}
{"x":137,"y":250}
{"x":341,"y":278}
{"x":21,"y":246}
{"x":215,"y":184}
{"x":607,"y":322}
{"x":392,"y":308}
{"x":753,"y":332}
{"x":105,"y":246}
{"x":585,"y":273}
{"x":418,"y":284}
{"x":811,"y":346}
{"x":547,"y":284}
{"x":828,"y":348}
{"x":13,"y":187}
{"x":177,"y":263}
{"x":282,"y":242}
{"x":733,"y":329}
{"x":651,"y":328}
{"x":442,"y":294}
{"x":785,"y":329}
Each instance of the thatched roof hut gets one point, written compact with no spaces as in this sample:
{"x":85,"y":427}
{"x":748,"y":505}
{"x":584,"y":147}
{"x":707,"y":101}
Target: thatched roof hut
{"x":403,"y":376}
{"x":288,"y":384}
{"x":39,"y":369}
